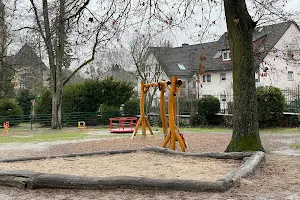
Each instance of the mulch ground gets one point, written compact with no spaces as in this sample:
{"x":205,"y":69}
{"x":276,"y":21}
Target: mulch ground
{"x":277,"y":179}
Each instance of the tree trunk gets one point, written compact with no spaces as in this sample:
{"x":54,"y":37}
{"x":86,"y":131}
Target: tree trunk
{"x":59,"y":52}
{"x":56,"y":110}
{"x":245,"y":136}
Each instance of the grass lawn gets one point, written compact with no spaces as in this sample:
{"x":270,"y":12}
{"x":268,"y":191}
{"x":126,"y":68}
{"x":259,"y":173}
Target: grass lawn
{"x":22,"y":134}
{"x":18,"y":135}
{"x":295,"y":145}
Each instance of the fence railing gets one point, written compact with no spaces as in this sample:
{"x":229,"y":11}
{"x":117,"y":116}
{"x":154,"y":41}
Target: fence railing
{"x":44,"y":120}
{"x":291,"y":95}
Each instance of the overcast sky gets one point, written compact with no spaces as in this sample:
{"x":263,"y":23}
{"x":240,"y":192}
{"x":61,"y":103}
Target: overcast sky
{"x":188,"y":33}
{"x":180,"y":37}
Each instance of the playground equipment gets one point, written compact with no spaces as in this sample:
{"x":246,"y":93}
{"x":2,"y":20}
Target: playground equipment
{"x":81,"y":124}
{"x":124,"y":124}
{"x":6,"y":127}
{"x":173,"y":135}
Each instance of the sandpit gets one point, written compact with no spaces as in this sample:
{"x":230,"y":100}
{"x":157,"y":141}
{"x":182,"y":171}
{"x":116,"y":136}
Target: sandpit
{"x":137,"y":164}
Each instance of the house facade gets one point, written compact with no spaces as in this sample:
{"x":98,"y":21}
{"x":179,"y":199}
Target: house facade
{"x":206,"y":68}
{"x":30,"y":71}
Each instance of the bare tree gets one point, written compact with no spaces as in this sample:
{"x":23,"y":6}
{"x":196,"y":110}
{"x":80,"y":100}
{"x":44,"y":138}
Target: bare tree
{"x":140,"y":47}
{"x":85,"y":26}
{"x":69,"y":20}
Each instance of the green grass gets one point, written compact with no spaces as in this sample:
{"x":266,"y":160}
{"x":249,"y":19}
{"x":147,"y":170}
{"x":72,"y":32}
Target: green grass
{"x":23,"y":135}
{"x":48,"y":135}
{"x":295,"y":145}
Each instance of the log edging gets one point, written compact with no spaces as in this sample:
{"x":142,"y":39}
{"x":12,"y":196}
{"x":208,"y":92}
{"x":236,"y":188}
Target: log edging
{"x":31,"y":180}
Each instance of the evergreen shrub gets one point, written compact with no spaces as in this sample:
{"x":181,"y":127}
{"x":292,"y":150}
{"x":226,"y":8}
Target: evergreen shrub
{"x":270,"y":103}
{"x":10,"y":111}
{"x":131,"y":107}
{"x":108,"y":111}
{"x":208,"y":106}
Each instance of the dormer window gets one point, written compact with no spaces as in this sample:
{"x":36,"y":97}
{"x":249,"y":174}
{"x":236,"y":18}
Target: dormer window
{"x":181,"y":66}
{"x":226,"y":55}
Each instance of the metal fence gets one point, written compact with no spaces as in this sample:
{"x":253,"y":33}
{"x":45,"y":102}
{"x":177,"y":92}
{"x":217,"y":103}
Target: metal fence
{"x":292,"y":99}
{"x":291,"y":96}
{"x":37,"y":121}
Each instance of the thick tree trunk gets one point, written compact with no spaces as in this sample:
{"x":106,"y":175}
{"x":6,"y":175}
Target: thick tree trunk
{"x":56,"y":122}
{"x":245,"y":136}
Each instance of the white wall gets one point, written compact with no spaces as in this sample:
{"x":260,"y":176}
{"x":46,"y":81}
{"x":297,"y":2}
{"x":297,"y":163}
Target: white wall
{"x":279,"y":63}
{"x":216,"y":86}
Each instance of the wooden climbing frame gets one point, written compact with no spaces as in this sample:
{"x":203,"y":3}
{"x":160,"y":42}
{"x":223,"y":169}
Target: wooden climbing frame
{"x":173,"y":134}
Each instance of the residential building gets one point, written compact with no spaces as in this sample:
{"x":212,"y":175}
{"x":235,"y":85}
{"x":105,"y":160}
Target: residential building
{"x":118,"y":73}
{"x":30,"y":71}
{"x":206,"y":68}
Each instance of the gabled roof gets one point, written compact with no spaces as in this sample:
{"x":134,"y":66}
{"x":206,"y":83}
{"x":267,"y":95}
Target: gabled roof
{"x":189,"y":55}
{"x":26,"y":56}
{"x":171,"y":59}
{"x":119,"y":73}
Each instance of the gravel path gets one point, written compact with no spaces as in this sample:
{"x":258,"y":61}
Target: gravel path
{"x":278,"y":179}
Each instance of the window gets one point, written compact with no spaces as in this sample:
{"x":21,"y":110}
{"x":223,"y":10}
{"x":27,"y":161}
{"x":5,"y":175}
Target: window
{"x":226,"y":55}
{"x":290,"y":75}
{"x":207,"y":78}
{"x":223,"y":97}
{"x":223,"y":77}
{"x":181,"y":66}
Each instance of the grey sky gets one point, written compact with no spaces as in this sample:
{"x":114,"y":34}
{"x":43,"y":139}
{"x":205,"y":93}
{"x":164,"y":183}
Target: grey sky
{"x":181,"y":37}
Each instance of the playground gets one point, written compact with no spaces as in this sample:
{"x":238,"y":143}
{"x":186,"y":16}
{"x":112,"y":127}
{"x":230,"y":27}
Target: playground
{"x":134,"y":162}
{"x":277,"y":179}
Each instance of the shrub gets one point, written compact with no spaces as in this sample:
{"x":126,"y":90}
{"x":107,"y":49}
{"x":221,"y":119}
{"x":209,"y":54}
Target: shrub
{"x":271,"y":103}
{"x":10,"y":111}
{"x":208,"y":106}
{"x":24,"y":97}
{"x":108,"y":111}
{"x":115,"y":92}
{"x":188,"y":106}
{"x":197,"y":120}
{"x":43,"y":108}
{"x":131,"y":107}
{"x":44,"y":103}
{"x":89,"y":95}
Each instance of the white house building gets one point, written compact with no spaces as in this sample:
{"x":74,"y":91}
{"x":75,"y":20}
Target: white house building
{"x":206,"y":68}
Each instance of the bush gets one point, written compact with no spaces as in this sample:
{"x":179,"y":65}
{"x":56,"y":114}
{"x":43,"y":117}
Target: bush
{"x":44,"y":103}
{"x":289,"y":121}
{"x":271,"y":103}
{"x":108,"y":111}
{"x":89,"y":95}
{"x":131,"y":107}
{"x":10,"y":111}
{"x":208,"y":106}
{"x":197,"y":120}
{"x":188,"y":106}
{"x":24,"y":97}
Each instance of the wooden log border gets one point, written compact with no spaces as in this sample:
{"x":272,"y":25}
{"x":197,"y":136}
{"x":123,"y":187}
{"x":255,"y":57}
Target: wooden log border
{"x":31,"y":180}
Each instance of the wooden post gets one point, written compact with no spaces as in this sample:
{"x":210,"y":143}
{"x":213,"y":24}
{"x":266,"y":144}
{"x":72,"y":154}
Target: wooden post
{"x":173,"y":134}
{"x":143,"y":120}
{"x":6,"y":127}
{"x":162,"y":108}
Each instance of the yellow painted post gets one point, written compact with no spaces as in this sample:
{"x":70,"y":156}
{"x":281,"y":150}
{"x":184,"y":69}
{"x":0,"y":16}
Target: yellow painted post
{"x":143,"y":120}
{"x":173,"y":134}
{"x":162,"y":108}
{"x":6,"y":127}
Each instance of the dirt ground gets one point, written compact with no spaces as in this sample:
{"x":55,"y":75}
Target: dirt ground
{"x":279,"y":178}
{"x":140,"y":164}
